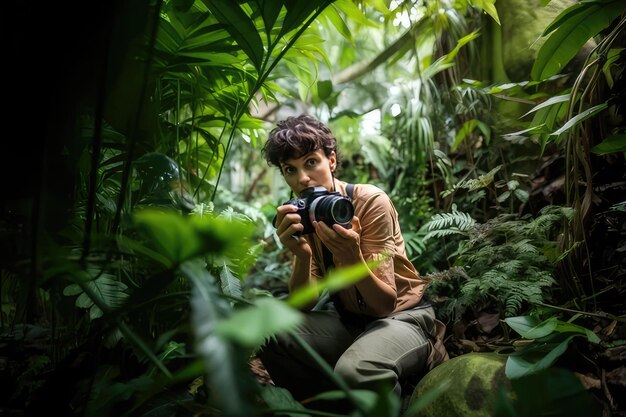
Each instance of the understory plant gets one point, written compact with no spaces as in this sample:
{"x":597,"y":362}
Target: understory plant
{"x":503,"y":265}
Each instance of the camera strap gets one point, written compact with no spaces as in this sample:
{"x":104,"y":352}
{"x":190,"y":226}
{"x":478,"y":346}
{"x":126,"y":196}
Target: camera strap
{"x":350,"y":190}
{"x":328,"y":264}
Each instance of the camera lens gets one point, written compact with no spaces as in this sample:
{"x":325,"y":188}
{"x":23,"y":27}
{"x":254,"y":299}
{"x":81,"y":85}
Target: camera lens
{"x":332,"y":209}
{"x":341,"y":211}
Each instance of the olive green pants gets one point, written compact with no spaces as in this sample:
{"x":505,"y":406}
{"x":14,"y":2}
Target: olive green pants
{"x":367,"y":353}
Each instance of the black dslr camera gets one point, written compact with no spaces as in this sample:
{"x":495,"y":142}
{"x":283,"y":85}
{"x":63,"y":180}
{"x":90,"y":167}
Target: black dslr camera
{"x":319,"y":204}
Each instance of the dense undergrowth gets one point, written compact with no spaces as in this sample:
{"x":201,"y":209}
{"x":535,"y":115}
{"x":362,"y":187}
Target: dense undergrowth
{"x":140,"y":271}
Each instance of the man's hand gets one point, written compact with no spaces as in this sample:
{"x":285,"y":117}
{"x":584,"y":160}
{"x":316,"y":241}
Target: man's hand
{"x":344,"y":244}
{"x":288,"y":222}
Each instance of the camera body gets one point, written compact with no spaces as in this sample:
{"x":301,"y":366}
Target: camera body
{"x":319,"y":204}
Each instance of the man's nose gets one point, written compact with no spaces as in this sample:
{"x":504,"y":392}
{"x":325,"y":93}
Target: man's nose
{"x":303,"y":178}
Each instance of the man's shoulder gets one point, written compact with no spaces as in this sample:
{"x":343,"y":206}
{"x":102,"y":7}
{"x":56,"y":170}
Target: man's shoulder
{"x":363,"y":191}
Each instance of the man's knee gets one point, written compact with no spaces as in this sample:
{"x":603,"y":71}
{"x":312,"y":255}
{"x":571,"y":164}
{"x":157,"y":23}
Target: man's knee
{"x":347,"y":370}
{"x":360,"y":373}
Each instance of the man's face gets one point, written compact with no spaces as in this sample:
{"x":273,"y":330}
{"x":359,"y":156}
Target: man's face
{"x":311,"y":170}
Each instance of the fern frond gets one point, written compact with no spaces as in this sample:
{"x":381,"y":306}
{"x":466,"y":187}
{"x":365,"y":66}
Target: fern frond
{"x":493,"y":279}
{"x":512,"y":268}
{"x":542,"y":224}
{"x":446,"y":224}
{"x":566,"y":213}
{"x":524,"y":246}
{"x":519,"y":296}
{"x":232,"y":215}
{"x":484,"y":256}
{"x":548,"y":216}
{"x":458,"y":219}
{"x":509,"y":259}
{"x":544,"y":279}
{"x":442,"y":233}
{"x":513,"y":305}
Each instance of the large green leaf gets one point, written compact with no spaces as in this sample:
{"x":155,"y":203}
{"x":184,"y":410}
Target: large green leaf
{"x":298,"y":11}
{"x":270,"y":9}
{"x":576,"y":25}
{"x":231,"y":285}
{"x":100,"y":290}
{"x":338,"y":22}
{"x":546,"y":120}
{"x":169,"y":234}
{"x":307,"y":46}
{"x":551,"y":338}
{"x":611,"y":144}
{"x":537,"y":356}
{"x":579,"y":118}
{"x":127,"y":243}
{"x":530,"y":328}
{"x":564,"y":16}
{"x":226,"y":363}
{"x":252,"y":326}
{"x":281,"y":399}
{"x":353,"y":13}
{"x":488,"y":6}
{"x":552,"y":392}
{"x":551,"y":101}
{"x":207,"y":35}
{"x":176,"y":35}
{"x":336,"y":280}
{"x":450,"y":56}
{"x":179,"y":238}
{"x":240,"y":26}
{"x":213,"y":58}
{"x":441,"y":64}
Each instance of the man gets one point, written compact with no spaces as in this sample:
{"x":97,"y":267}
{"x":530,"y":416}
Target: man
{"x":375,"y":333}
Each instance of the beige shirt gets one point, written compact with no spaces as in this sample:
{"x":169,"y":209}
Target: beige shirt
{"x":380,"y":235}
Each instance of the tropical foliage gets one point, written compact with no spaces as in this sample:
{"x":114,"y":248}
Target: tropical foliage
{"x":140,"y":269}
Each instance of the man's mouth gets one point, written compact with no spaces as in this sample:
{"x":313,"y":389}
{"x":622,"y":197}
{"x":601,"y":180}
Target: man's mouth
{"x":303,"y":189}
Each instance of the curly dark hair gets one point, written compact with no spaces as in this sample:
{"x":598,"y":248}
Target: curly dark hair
{"x":295,"y":137}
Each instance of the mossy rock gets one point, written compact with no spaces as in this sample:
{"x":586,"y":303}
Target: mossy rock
{"x":474,"y":380}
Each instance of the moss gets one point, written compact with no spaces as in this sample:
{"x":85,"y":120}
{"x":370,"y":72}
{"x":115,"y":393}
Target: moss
{"x":523,"y":21}
{"x":474,"y":378}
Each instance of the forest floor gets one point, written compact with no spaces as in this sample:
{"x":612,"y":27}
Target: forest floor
{"x":600,"y":368}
